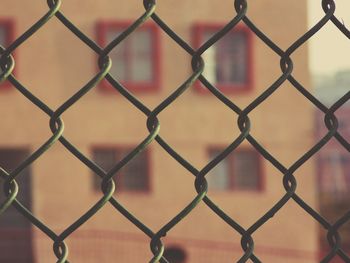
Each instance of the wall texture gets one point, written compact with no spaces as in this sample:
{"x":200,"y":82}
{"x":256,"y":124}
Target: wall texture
{"x":54,"y":64}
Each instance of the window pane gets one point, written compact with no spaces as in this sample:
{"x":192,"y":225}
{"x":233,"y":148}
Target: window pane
{"x":118,"y":56}
{"x":209,"y":57}
{"x":232,"y":56}
{"x":219,"y":178}
{"x":246,"y":170}
{"x":135,"y":174}
{"x":141,"y":70}
{"x":226,"y":61}
{"x":141,"y":42}
{"x":132,"y":58}
{"x":118,"y":69}
{"x":105,"y":158}
{"x":141,"y":63}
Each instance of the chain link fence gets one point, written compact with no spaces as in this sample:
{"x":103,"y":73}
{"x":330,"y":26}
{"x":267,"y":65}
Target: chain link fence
{"x":157,"y":247}
{"x":115,"y":244}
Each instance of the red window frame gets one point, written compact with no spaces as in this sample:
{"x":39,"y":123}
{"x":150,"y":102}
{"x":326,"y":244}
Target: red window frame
{"x":137,"y":87}
{"x":232,"y":187}
{"x":9,"y":25}
{"x":198,"y":34}
{"x":125,"y":148}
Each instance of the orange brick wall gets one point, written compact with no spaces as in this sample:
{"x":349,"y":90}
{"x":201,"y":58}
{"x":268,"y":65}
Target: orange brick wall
{"x":62,"y":186}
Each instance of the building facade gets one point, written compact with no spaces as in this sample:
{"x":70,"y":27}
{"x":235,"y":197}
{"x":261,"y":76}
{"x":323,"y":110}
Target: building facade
{"x":333,"y":164}
{"x":53,"y":64}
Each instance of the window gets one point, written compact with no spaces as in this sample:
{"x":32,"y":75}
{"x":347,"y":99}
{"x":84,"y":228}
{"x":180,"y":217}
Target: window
{"x":241,"y":170}
{"x":9,"y":160}
{"x":15,"y":229}
{"x":135,"y":61}
{"x":228,"y":62}
{"x":132,"y":177}
{"x":6,"y":37}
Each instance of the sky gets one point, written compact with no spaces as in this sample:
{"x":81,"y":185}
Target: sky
{"x":329,"y":49}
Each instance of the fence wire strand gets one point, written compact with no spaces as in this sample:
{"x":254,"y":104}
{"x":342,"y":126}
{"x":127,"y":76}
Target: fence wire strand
{"x":56,"y":124}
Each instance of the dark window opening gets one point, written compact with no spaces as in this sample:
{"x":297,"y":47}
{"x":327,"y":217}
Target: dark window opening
{"x":132,"y":177}
{"x":240,"y":170}
{"x":15,"y":229}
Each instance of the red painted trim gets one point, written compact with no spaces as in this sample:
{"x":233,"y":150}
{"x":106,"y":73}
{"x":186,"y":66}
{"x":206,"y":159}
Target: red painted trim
{"x":129,"y":147}
{"x":261,"y":174}
{"x":198,"y":32}
{"x":9,"y":25}
{"x":139,"y":87}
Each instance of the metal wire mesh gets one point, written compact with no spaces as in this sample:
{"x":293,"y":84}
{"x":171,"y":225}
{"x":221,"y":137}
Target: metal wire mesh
{"x":107,"y":184}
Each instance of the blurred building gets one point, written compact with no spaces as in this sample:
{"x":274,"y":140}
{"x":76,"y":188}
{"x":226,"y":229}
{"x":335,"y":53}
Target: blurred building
{"x":334,"y":160}
{"x":58,"y":188}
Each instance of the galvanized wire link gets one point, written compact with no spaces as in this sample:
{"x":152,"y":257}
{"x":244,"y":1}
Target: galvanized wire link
{"x":56,"y":124}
